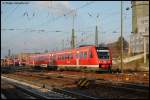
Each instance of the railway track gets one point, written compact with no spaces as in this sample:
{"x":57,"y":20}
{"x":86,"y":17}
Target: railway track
{"x":54,"y":93}
{"x":118,"y":87}
{"x":115,"y":84}
{"x":125,"y":90}
{"x":36,"y":92}
{"x":75,"y":94}
{"x":126,"y":85}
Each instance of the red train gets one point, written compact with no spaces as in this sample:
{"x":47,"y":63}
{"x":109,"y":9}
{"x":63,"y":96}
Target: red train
{"x":86,"y":56}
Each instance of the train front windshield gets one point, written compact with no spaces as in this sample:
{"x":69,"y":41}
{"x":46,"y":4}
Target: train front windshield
{"x":103,"y":54}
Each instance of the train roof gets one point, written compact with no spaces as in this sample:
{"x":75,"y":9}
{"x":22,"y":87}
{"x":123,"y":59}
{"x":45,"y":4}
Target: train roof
{"x":85,"y":45}
{"x":68,"y":50}
{"x":102,"y":48}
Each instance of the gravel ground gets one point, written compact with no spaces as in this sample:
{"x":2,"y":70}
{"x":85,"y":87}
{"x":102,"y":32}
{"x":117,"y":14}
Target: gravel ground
{"x":11,"y":92}
{"x":109,"y":93}
{"x":57,"y":80}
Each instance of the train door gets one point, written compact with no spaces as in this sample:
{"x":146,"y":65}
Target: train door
{"x":83,"y":58}
{"x":77,"y":58}
{"x":92,"y":60}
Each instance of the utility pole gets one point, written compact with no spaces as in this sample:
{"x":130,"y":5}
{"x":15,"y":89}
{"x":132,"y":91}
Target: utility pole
{"x":96,"y":36}
{"x":73,"y":36}
{"x":144,"y":50}
{"x":145,"y":46}
{"x":63,"y":44}
{"x":9,"y":52}
{"x":121,"y":39}
{"x":96,"y":29}
{"x":129,"y":48}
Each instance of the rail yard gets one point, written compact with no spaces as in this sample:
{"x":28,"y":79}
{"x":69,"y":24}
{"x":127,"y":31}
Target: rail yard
{"x":76,"y":84}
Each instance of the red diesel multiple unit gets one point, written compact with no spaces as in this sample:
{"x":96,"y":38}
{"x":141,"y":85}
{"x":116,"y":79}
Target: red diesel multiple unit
{"x":86,"y":56}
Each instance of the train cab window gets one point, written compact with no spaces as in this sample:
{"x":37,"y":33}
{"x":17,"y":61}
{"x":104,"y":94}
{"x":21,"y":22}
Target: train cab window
{"x":85,"y":54}
{"x":103,"y":54}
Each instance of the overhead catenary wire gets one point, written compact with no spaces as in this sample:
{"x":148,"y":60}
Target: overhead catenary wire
{"x":10,"y":14}
{"x":86,"y":5}
{"x":49,"y":21}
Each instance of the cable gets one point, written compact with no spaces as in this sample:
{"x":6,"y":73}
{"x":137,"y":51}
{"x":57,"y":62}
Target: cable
{"x":10,"y":14}
{"x":67,"y":13}
{"x":32,"y":30}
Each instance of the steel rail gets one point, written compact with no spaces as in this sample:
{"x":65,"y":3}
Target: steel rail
{"x":75,"y":94}
{"x":35,"y":93}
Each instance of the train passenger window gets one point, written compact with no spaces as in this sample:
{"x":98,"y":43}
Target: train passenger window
{"x":62,"y":57}
{"x":68,"y":56}
{"x":54,"y":57}
{"x":76,"y":56}
{"x":81,"y":54}
{"x":71,"y":57}
{"x":85,"y":54}
{"x":57,"y":57}
{"x":91,"y":55}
